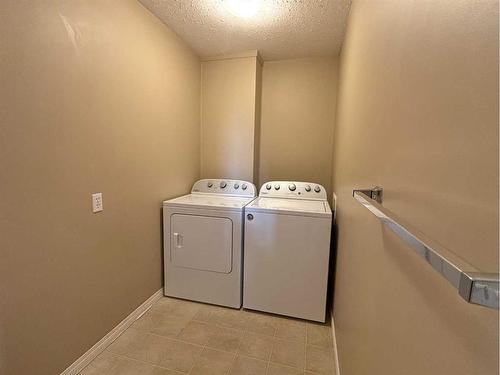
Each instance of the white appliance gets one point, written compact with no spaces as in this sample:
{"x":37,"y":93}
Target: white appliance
{"x":287,"y":249}
{"x":203,"y":242}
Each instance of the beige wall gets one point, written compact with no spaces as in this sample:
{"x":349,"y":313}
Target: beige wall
{"x":228,"y":117}
{"x":298,"y":110}
{"x":417,"y":114}
{"x":94,"y":96}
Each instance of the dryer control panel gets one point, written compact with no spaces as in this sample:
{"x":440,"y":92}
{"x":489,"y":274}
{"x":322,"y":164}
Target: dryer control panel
{"x":237,"y":188}
{"x":293,"y":190}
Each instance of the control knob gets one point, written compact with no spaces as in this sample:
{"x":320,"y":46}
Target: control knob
{"x":277,"y":187}
{"x":244,"y":186}
{"x":317,"y":189}
{"x":292,"y":187}
{"x":308,"y":188}
{"x":210,"y":184}
{"x":236,"y":186}
{"x":223,"y":184}
{"x":268,"y":186}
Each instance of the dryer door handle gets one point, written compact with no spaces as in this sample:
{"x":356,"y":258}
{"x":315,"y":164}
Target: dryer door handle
{"x":178,"y":240}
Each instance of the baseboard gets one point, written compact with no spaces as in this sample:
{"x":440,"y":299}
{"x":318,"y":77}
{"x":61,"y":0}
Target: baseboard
{"x":335,"y":351}
{"x":98,"y":348}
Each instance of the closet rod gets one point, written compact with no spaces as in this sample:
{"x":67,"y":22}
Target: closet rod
{"x":472,"y":285}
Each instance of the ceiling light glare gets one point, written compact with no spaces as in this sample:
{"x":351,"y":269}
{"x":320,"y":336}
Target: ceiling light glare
{"x":243,"y":8}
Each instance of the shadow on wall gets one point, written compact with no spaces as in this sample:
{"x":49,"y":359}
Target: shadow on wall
{"x":162,"y":248}
{"x":332,"y":270}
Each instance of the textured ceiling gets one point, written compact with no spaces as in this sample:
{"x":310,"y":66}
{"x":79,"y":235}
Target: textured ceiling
{"x":281,"y":28}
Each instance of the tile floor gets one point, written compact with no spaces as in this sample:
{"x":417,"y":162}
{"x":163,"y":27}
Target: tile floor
{"x":182,"y":337}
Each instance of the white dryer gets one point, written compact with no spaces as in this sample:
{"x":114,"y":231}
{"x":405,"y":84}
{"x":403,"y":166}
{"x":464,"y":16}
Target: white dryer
{"x":287,"y":249}
{"x":203,"y":242}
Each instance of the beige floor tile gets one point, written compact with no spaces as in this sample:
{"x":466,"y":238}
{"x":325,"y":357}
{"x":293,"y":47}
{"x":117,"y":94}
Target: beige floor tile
{"x":158,"y":350}
{"x":276,"y":369}
{"x":290,"y":329}
{"x":261,"y":323}
{"x":130,"y":341}
{"x":256,"y":346}
{"x":248,"y":366}
{"x":212,"y":362}
{"x":176,"y":307}
{"x":229,"y":318}
{"x":227,"y":339}
{"x":289,"y":353}
{"x":319,"y":335}
{"x":160,"y":324}
{"x":320,"y":360}
{"x":203,"y":315}
{"x":178,"y":356}
{"x":197,"y":333}
{"x":237,"y":342}
{"x":111,"y":364}
{"x":205,"y":312}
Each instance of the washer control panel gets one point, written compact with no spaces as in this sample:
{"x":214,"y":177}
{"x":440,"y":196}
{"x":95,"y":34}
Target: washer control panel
{"x":293,"y":189}
{"x":225,"y":186}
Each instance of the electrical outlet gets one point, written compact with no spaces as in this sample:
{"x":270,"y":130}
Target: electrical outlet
{"x":97,"y":202}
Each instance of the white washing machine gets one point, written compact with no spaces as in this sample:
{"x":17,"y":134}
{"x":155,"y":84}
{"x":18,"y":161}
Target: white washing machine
{"x":203,"y":242}
{"x":287,"y":249}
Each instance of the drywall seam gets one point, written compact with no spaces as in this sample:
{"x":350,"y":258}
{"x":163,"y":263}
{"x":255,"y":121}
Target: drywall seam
{"x":111,"y":336}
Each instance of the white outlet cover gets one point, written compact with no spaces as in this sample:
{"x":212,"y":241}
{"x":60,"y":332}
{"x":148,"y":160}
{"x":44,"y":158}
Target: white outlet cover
{"x":97,"y":202}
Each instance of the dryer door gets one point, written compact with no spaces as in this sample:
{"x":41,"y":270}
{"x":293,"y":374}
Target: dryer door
{"x":201,"y":242}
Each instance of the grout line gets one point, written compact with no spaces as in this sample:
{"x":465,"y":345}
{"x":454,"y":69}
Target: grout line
{"x":272,"y":348}
{"x":271,"y":351}
{"x":203,"y":348}
{"x":169,"y":338}
{"x":292,"y":367}
{"x":141,"y":361}
{"x":196,"y":360}
{"x":244,"y":333}
{"x":267,"y":366}
{"x":237,"y":349}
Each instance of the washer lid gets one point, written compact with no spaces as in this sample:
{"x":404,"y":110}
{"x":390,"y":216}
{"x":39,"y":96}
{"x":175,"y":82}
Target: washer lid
{"x":291,"y":206}
{"x":209,"y":201}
